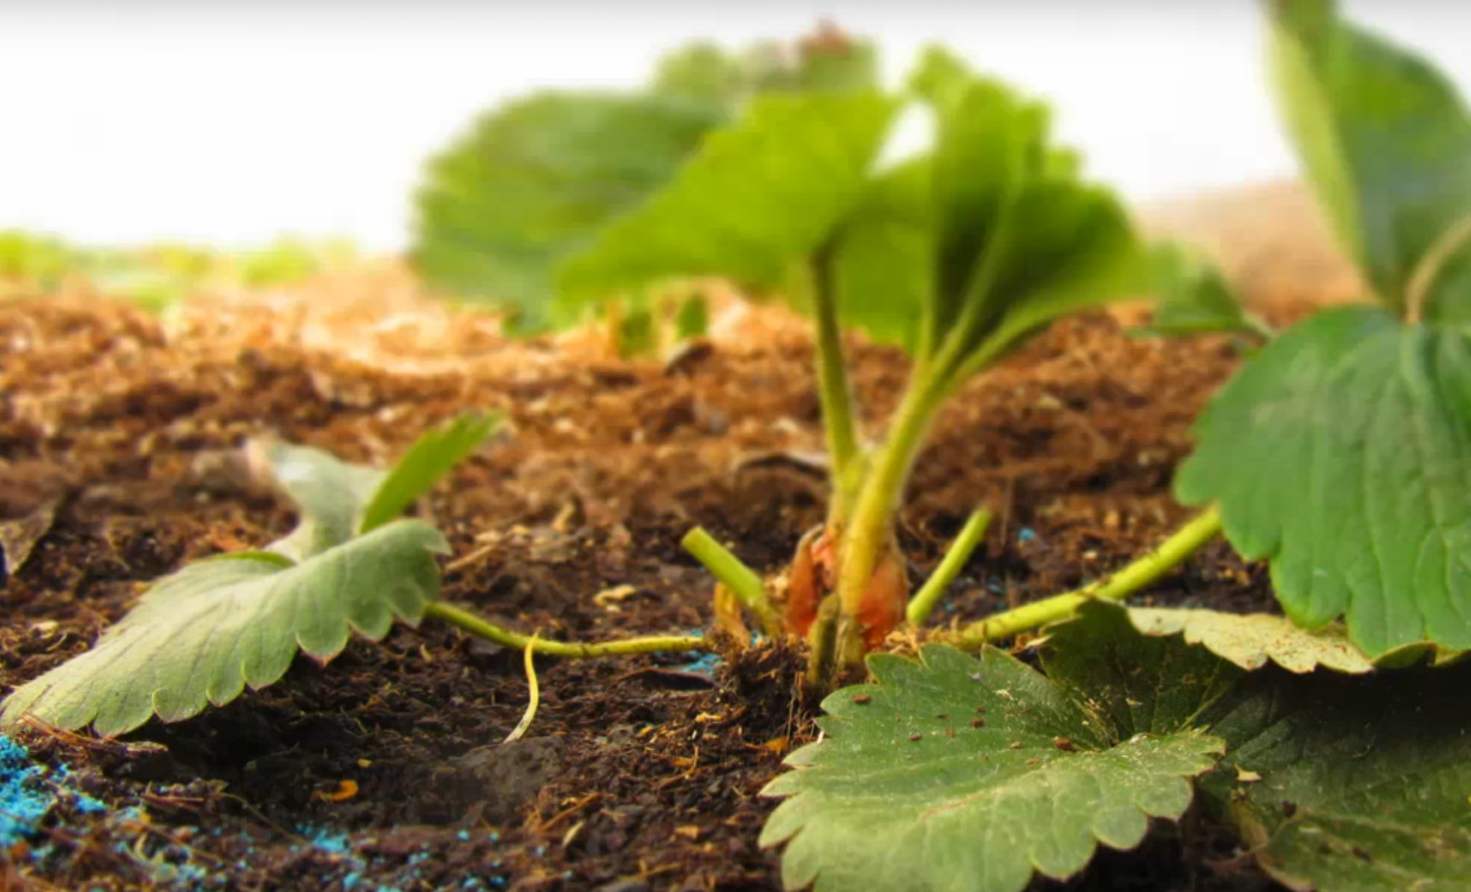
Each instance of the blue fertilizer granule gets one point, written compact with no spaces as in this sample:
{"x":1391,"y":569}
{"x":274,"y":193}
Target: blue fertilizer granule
{"x":24,"y":794}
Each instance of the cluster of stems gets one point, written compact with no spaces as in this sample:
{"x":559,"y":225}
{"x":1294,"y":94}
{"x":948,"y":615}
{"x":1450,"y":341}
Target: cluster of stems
{"x":862,"y":563}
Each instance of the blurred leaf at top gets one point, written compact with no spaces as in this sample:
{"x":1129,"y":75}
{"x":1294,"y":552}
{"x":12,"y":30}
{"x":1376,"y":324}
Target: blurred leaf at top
{"x":535,"y":181}
{"x":759,"y":197}
{"x":1386,"y":143}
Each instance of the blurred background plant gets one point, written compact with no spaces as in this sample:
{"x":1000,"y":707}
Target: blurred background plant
{"x":156,"y":276}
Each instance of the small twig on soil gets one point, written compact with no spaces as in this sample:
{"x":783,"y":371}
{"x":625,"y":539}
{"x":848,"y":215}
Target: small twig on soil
{"x":929,"y":594}
{"x":529,"y":658}
{"x":480,"y":627}
{"x":1128,"y":580}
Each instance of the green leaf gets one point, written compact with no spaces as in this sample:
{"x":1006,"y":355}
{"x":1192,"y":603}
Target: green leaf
{"x":905,"y":792}
{"x":329,"y":495}
{"x":1335,"y":781}
{"x":830,"y":60}
{"x":1019,"y":239}
{"x":533,"y":183}
{"x":431,"y":457}
{"x":1251,"y":640}
{"x":1364,"y":782}
{"x":1386,"y":142}
{"x":200,"y":636}
{"x":827,"y":60}
{"x":338,"y":500}
{"x":882,"y":268}
{"x":759,"y":196}
{"x":1192,"y":297}
{"x":1140,"y":684}
{"x":1342,"y":452}
{"x":1068,"y":247}
{"x":692,"y":319}
{"x":704,"y":72}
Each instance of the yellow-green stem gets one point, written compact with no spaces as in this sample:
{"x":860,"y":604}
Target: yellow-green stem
{"x":732,"y":572}
{"x":483,"y":628}
{"x":832,"y":376}
{"x":929,"y":594}
{"x":1126,"y":581}
{"x":870,"y":525}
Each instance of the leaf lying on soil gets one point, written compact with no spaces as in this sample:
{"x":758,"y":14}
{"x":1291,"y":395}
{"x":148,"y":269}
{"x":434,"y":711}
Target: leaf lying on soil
{"x":1342,"y":452}
{"x":199,"y":636}
{"x":1250,"y":640}
{"x":958,"y":773}
{"x":965,"y":773}
{"x":1365,"y":782}
{"x":1358,"y":782}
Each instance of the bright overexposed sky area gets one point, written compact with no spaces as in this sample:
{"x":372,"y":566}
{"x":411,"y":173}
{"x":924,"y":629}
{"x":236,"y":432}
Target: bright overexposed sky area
{"x":232,"y":122}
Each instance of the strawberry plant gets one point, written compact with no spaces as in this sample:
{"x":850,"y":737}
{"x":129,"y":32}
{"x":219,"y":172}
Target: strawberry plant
{"x":959,"y":254}
{"x":1340,"y":453}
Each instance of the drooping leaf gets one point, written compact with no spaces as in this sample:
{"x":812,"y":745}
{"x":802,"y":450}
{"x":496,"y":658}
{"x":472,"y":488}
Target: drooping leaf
{"x":200,"y":636}
{"x":1068,"y":247}
{"x":963,"y":773}
{"x":1386,"y":142}
{"x":758,"y":196}
{"x":534,"y":182}
{"x":1192,"y":297}
{"x":1251,"y":640}
{"x":989,"y":143}
{"x":1342,"y":452}
{"x":1358,"y":783}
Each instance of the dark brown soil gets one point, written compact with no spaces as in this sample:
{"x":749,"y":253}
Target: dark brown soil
{"x":638,"y":773}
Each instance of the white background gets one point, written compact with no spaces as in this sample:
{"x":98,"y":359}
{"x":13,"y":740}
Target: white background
{"x":230,"y":123}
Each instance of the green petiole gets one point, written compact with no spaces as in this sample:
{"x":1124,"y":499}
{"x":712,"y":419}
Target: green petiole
{"x":929,"y":594}
{"x":1121,"y":584}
